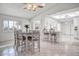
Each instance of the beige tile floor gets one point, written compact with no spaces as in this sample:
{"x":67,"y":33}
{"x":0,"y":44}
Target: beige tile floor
{"x":47,"y":49}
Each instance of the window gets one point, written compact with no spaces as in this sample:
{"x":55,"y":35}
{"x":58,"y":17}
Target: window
{"x":52,"y":24}
{"x":9,"y":25}
{"x":36,"y":25}
{"x":5,"y":25}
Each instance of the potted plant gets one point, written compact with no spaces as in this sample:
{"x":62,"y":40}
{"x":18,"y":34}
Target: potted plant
{"x":26,"y":26}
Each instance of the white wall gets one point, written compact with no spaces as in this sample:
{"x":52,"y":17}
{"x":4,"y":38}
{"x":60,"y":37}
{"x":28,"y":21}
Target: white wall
{"x":68,"y":34}
{"x":40,"y":18}
{"x":4,"y":36}
{"x":76,"y":23}
{"x":66,"y":31}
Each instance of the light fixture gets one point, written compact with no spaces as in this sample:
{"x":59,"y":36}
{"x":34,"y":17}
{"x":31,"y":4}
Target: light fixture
{"x":66,"y":15}
{"x":33,"y":6}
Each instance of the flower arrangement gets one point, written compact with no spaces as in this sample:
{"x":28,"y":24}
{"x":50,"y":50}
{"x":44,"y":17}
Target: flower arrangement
{"x":26,"y":26}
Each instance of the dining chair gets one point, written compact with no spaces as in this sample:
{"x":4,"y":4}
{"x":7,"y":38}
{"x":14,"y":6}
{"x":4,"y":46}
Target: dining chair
{"x":36,"y":40}
{"x":33,"y":39}
{"x":46,"y":34}
{"x":53,"y":35}
{"x":20,"y":41}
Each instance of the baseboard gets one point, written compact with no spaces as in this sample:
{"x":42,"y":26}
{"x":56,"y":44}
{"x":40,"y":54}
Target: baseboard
{"x":6,"y":43}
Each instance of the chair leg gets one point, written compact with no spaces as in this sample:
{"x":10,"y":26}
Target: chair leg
{"x":33,"y":47}
{"x":55,"y":39}
{"x":39,"y":45}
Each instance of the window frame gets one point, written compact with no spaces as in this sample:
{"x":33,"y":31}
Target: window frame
{"x":8,"y":30}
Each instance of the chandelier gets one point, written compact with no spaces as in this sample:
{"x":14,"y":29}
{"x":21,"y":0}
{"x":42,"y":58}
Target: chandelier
{"x":33,"y":6}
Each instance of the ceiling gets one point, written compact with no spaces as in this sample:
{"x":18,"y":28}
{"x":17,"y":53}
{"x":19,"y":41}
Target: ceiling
{"x":16,"y":9}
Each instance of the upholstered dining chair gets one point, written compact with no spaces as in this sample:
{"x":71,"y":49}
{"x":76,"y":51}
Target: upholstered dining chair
{"x":36,"y":39}
{"x":33,"y":39}
{"x":46,"y":34}
{"x":53,"y":35}
{"x":20,"y":41}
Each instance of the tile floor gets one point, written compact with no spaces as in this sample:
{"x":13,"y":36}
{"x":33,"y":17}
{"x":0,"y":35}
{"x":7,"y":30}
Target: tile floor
{"x":47,"y":49}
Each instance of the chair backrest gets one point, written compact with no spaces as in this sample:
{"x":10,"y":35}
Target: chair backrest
{"x":36,"y":34}
{"x":30,"y":31}
{"x":17,"y":34}
{"x":52,"y":30}
{"x":45,"y":30}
